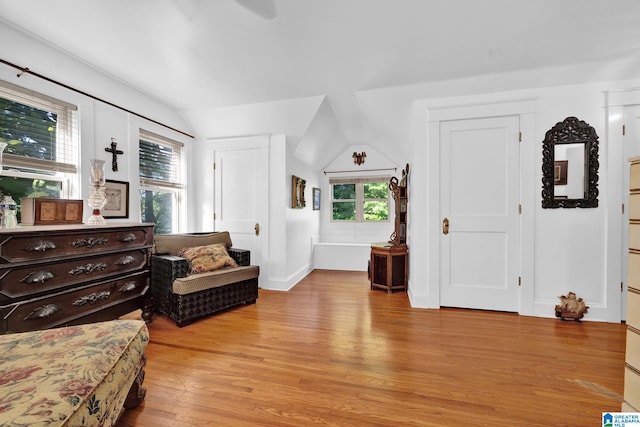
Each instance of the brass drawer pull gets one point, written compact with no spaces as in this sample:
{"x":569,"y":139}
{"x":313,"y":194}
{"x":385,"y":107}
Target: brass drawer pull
{"x":125,"y":260}
{"x":87,"y":268}
{"x":92,"y":298}
{"x":37,"y":277}
{"x":127,"y":287}
{"x":128,"y":238}
{"x":90,"y":242}
{"x":43,"y":312}
{"x":40,"y":246}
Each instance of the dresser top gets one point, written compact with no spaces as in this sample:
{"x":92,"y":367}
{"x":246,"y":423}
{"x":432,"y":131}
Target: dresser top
{"x":69,"y":227}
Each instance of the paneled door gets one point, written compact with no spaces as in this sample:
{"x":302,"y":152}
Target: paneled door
{"x":241,"y":188}
{"x":479,"y":193}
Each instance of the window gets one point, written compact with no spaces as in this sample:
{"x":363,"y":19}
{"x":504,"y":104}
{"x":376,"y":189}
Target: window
{"x":41,"y":133}
{"x":360,"y":200}
{"x":161,"y":187}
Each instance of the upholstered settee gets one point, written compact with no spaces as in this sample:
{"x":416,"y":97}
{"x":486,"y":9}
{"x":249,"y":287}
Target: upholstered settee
{"x":83,"y":375}
{"x":181,"y":291}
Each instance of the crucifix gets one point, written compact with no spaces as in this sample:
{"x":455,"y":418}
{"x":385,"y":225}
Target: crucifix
{"x":114,"y":154}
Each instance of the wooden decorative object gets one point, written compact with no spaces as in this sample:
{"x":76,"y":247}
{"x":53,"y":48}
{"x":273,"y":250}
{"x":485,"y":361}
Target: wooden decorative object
{"x":571,"y":307}
{"x":297,"y":192}
{"x":43,"y":211}
{"x":399,"y":192}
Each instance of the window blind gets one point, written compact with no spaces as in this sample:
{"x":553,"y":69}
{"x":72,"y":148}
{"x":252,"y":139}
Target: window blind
{"x":359,"y":180}
{"x":41,"y":132}
{"x":160,"y":161}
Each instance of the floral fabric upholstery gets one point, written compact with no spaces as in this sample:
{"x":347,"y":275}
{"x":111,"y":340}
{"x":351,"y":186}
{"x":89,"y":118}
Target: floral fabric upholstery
{"x":207,"y":258}
{"x":72,"y":376}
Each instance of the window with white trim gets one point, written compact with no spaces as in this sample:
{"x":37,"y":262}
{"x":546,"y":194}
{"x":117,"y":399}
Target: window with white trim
{"x":360,"y":199}
{"x":42,"y":151}
{"x":161,"y":181}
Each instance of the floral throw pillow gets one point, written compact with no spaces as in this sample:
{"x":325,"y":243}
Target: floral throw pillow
{"x":207,"y":258}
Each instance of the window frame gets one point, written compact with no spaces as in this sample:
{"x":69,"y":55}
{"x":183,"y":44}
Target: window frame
{"x":174,"y":186}
{"x":65,"y":169}
{"x":360,"y":199}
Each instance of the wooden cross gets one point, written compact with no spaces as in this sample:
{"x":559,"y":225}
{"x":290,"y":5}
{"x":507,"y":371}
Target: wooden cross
{"x":114,"y":154}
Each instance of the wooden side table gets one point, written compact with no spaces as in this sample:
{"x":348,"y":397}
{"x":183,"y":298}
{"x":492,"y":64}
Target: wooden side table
{"x":389,"y":267}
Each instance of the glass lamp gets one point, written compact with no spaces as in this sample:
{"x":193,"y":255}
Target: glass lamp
{"x":97,"y":198}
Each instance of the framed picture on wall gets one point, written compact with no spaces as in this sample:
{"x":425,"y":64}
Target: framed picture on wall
{"x":117,"y":194}
{"x":316,"y":199}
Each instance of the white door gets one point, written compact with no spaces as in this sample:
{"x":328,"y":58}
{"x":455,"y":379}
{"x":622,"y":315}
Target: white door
{"x":241,"y":188}
{"x":479,"y":193}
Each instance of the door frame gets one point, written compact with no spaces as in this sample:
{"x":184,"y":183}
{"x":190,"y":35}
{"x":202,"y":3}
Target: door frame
{"x":617,"y":227}
{"x":434,"y":112}
{"x":241,"y":143}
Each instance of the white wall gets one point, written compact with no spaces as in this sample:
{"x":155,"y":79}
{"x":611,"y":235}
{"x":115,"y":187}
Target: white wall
{"x":99,"y":122}
{"x":570,"y":245}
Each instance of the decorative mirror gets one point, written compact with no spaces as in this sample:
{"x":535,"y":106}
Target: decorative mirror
{"x":570,"y":165}
{"x":297,"y":192}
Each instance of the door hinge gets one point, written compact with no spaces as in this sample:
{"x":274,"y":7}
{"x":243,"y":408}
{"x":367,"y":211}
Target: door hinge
{"x":215,"y":216}
{"x":624,"y":130}
{"x":519,"y":136}
{"x":520,"y":209}
{"x":519,"y":280}
{"x":623,"y":209}
{"x":214,"y":165}
{"x":621,"y":287}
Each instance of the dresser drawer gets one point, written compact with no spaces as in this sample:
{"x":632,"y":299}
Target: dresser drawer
{"x":634,"y":206}
{"x":632,"y":387}
{"x":633,"y":348}
{"x":28,"y":281}
{"x":634,"y":271}
{"x":64,"y":307}
{"x":634,"y":178}
{"x":633,"y":314}
{"x":634,"y":236}
{"x":27,"y":247}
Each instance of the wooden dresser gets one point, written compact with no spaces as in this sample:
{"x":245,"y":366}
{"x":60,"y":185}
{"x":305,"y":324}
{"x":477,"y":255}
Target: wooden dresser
{"x":69,"y":274}
{"x":632,"y":369}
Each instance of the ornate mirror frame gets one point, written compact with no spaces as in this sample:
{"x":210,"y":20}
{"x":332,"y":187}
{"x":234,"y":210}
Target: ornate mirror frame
{"x":570,"y":131}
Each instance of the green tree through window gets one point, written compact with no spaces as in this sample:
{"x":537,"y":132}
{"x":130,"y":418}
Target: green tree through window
{"x":360,"y":200}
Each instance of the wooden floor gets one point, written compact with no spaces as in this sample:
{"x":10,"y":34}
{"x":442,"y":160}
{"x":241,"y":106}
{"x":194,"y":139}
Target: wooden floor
{"x":332,"y":352}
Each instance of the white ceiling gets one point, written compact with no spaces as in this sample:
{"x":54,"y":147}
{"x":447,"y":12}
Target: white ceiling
{"x":195,"y":54}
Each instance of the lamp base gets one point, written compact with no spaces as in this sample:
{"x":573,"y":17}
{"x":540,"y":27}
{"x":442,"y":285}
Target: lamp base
{"x":96,"y":218}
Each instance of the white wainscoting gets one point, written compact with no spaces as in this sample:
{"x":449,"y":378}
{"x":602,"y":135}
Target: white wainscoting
{"x":341,"y":256}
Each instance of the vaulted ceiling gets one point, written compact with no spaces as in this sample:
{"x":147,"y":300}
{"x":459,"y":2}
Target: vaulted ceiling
{"x":208,"y":54}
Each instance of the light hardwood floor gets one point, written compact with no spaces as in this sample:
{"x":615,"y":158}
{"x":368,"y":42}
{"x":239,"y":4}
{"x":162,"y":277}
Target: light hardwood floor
{"x":332,"y":352}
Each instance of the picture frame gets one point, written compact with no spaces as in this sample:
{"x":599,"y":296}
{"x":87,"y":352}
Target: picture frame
{"x":316,"y":199}
{"x":117,"y":194}
{"x":560,"y":172}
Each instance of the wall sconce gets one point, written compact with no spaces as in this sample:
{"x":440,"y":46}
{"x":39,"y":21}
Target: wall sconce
{"x":358,"y":158}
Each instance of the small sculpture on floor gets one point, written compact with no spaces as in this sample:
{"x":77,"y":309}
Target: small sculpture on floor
{"x":571,"y":307}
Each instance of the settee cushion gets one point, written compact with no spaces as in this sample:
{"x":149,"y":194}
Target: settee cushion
{"x":214,"y":279}
{"x":72,"y":376}
{"x":174,"y":243}
{"x":207,"y":258}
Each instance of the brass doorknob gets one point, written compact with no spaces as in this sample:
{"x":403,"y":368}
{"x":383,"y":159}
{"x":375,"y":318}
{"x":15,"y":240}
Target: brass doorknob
{"x":257,"y":229}
{"x":445,"y":226}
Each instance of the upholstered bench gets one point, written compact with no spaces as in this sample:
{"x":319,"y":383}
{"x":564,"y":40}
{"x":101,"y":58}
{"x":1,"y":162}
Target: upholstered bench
{"x":182,"y":292}
{"x":83,"y":375}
